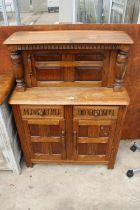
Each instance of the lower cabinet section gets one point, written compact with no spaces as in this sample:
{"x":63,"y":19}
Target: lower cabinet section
{"x":70,"y":134}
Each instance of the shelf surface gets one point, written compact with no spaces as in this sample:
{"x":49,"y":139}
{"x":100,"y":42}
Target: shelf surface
{"x":70,"y":96}
{"x":69,"y":37}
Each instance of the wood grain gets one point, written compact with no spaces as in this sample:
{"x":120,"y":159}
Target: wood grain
{"x":70,"y":96}
{"x":86,"y":36}
{"x":132,"y":79}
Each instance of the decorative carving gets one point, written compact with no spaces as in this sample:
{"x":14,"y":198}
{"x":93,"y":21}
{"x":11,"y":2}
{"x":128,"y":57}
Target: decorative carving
{"x":105,"y":130}
{"x":96,"y":112}
{"x":30,"y":65}
{"x":18,"y":70}
{"x":66,"y":47}
{"x":31,"y":112}
{"x":120,"y":70}
{"x":41,"y":112}
{"x":101,"y":112}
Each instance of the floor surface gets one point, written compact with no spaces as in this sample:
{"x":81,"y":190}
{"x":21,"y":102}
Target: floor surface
{"x":74,"y":187}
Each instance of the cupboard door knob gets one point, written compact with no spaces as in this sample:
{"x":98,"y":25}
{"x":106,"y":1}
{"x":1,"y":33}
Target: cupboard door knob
{"x":63,"y":134}
{"x":41,"y":113}
{"x":63,"y":144}
{"x":75,"y":139}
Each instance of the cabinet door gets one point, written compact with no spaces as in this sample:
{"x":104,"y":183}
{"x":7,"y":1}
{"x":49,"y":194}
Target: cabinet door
{"x":46,"y":138}
{"x":93,"y":139}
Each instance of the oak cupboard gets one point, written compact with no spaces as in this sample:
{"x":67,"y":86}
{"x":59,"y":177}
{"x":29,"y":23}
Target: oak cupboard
{"x":69,"y":101}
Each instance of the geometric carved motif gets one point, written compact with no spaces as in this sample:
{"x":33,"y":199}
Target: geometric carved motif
{"x":65,"y":46}
{"x":105,"y":131}
{"x":102,"y":112}
{"x":41,"y":111}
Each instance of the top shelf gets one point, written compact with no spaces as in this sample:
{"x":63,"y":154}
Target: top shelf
{"x":69,"y":37}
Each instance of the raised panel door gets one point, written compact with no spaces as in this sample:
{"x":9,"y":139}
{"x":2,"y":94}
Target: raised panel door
{"x":93,"y":139}
{"x":46,"y":138}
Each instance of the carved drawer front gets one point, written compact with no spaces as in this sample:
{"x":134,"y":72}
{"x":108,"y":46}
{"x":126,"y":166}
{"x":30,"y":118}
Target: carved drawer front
{"x":93,"y":139}
{"x":96,"y":112}
{"x":28,"y":112}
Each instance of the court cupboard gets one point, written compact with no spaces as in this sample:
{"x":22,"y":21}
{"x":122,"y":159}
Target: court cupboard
{"x":69,"y":102}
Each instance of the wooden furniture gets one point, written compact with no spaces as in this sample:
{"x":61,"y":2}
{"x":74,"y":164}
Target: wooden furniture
{"x":10,"y":152}
{"x":69,"y":96}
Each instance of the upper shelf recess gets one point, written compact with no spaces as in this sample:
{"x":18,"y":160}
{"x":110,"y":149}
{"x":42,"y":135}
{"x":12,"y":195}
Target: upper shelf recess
{"x":69,"y":37}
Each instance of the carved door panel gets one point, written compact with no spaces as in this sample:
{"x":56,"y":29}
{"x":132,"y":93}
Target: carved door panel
{"x":46,"y":138}
{"x":93,"y":139}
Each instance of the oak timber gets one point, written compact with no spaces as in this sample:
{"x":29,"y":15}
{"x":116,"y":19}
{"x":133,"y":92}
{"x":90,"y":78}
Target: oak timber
{"x":70,"y":96}
{"x":69,"y":122}
{"x":66,"y":37}
{"x":132,"y":78}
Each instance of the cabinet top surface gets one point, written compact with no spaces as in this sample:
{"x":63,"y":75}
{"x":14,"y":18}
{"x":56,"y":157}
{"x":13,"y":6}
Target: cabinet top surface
{"x":70,"y":96}
{"x":6,"y":84}
{"x":69,"y":37}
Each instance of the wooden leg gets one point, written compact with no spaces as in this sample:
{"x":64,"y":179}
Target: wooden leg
{"x":29,"y":164}
{"x":111,"y":165}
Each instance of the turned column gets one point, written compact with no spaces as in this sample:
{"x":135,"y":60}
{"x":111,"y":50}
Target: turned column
{"x":122,"y":59}
{"x":18,"y":70}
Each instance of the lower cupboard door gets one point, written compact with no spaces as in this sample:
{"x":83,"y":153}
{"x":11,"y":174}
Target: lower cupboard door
{"x":46,"y":138}
{"x":93,"y":140}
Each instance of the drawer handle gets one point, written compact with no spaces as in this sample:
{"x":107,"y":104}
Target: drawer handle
{"x":41,"y":113}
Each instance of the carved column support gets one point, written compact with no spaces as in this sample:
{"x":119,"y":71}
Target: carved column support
{"x":122,"y":59}
{"x":18,"y":70}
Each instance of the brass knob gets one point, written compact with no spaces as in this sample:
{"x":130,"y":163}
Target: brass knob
{"x":41,"y":112}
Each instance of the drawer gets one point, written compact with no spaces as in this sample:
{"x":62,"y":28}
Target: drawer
{"x":96,"y":112}
{"x":42,"y":112}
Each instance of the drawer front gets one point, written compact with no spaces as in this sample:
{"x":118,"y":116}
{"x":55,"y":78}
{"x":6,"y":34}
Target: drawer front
{"x":29,"y":112}
{"x":96,"y":112}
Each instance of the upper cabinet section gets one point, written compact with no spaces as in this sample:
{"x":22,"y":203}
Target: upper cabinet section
{"x":69,"y":58}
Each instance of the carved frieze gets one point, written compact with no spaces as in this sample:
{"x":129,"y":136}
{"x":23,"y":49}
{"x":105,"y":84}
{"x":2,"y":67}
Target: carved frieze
{"x":101,"y":112}
{"x":41,"y":111}
{"x":66,"y":47}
